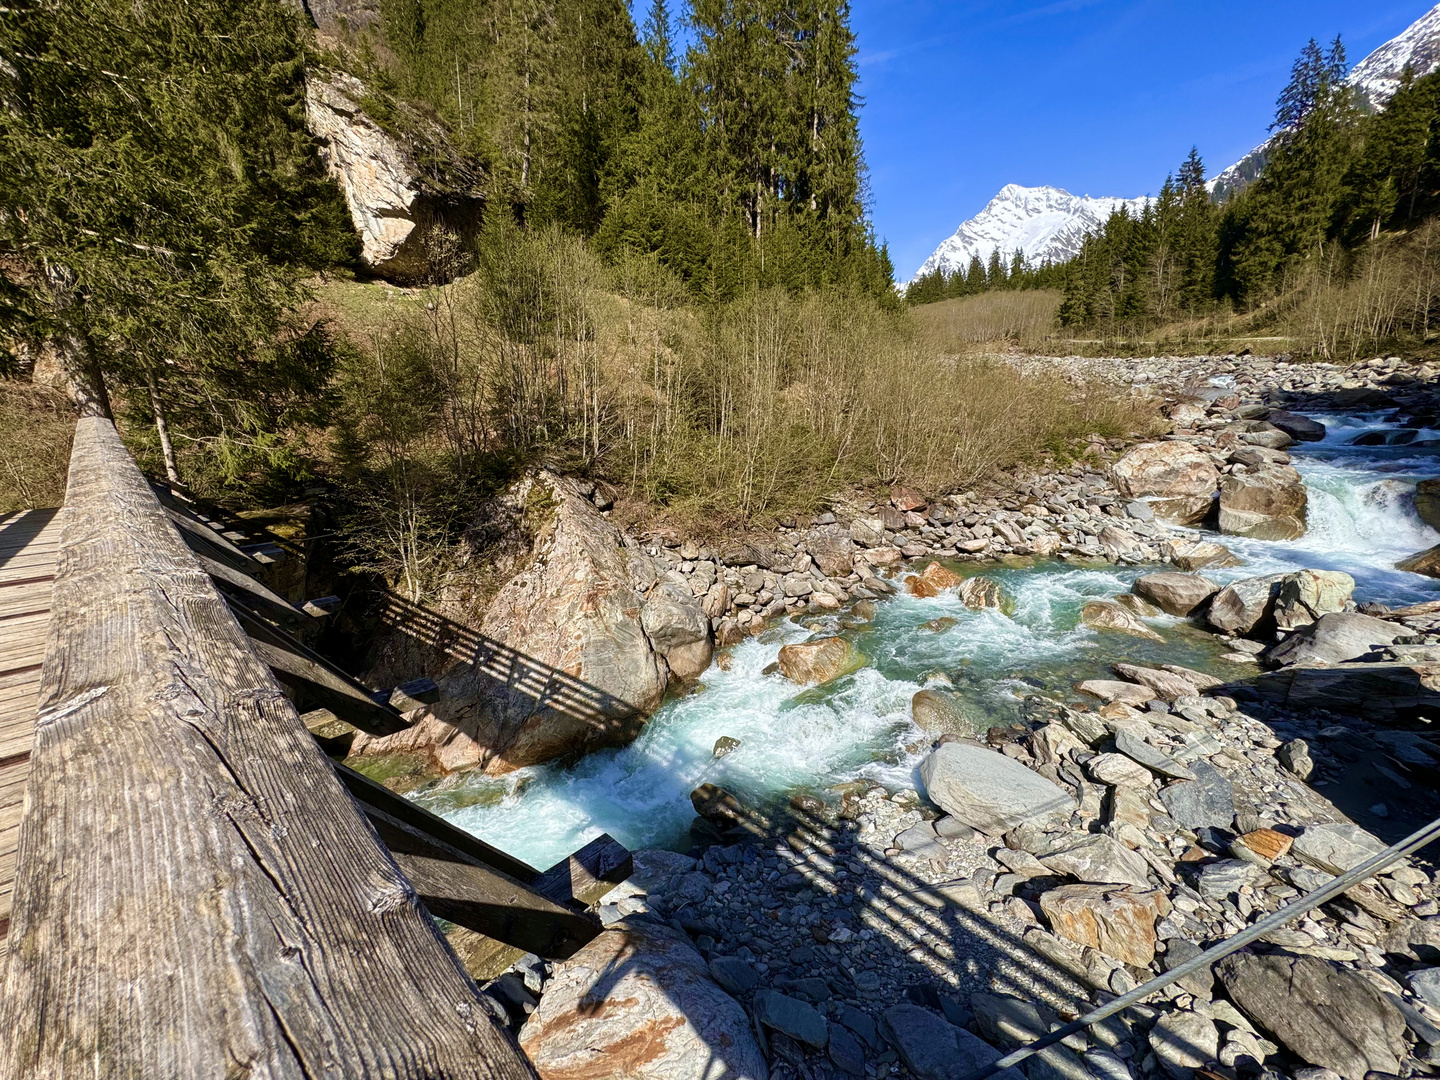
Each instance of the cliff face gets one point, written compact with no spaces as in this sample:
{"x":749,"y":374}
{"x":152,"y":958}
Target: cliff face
{"x":394,"y":199}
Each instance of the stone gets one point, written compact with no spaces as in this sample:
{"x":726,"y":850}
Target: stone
{"x":638,"y":1002}
{"x":1245,"y":606}
{"x":867,"y":532}
{"x":1294,"y":756}
{"x":1300,"y":428}
{"x":832,"y":549}
{"x":1108,"y":615}
{"x":1167,"y":685}
{"x":845,"y":1051}
{"x":1335,"y":848}
{"x":1109,"y":690}
{"x":1137,"y":749}
{"x":1205,"y":800}
{"x":1117,"y":769}
{"x":1427,"y":501}
{"x":1175,"y":594}
{"x":940,"y":712}
{"x":820,"y":661}
{"x":978,"y":593}
{"x":1425,"y":982}
{"x":1224,"y":877}
{"x":792,"y":1017}
{"x":862,"y":1024}
{"x":392,"y":202}
{"x":1425,"y":562}
{"x":1179,"y":476}
{"x":1100,"y":860}
{"x":989,"y":791}
{"x":569,"y":616}
{"x":1184,"y":1041}
{"x":1010,"y":1022}
{"x":724,"y":745}
{"x":1198,"y":554}
{"x":1266,"y":503}
{"x":678,"y":629}
{"x":1118,"y":922}
{"x":1322,"y":1013}
{"x":1261,"y":846}
{"x":733,"y":974}
{"x":920,"y":841}
{"x":1334,"y":638}
{"x":1309,"y":594}
{"x":1201,"y":981}
{"x":934,"y":1049}
{"x":1103,"y":1065}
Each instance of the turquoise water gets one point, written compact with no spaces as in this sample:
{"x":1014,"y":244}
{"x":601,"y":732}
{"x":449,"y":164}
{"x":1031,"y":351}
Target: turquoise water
{"x":793,"y":739}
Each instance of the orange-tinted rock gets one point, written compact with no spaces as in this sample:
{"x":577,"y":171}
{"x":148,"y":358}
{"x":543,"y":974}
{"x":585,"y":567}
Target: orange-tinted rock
{"x":1118,"y":922}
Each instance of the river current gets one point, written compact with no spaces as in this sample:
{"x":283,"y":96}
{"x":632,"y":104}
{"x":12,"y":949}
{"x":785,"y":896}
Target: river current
{"x":1361,"y":520}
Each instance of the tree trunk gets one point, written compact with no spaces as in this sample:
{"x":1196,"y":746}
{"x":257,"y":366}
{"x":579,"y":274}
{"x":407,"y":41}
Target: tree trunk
{"x":167,"y":451}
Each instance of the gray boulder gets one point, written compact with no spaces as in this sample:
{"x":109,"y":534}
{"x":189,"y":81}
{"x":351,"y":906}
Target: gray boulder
{"x":791,"y":1017}
{"x":1100,"y":860}
{"x":1322,"y":1013}
{"x":1184,"y":1041}
{"x":678,"y":629}
{"x":1243,"y":606}
{"x":1335,"y":638}
{"x":1336,"y":847}
{"x":941,"y":712}
{"x":1267,"y":503}
{"x":1300,"y":428}
{"x":934,"y":1049}
{"x":1308,"y":594}
{"x":638,"y":1001}
{"x":989,"y":791}
{"x":1205,"y":800}
{"x":1175,"y":594}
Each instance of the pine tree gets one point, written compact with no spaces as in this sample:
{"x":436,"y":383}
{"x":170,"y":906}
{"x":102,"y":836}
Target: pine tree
{"x":1302,"y":93}
{"x":975,"y":276}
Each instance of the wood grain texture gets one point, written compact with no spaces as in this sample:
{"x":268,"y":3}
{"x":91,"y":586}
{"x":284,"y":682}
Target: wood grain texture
{"x":197,"y":896}
{"x":29,"y":542}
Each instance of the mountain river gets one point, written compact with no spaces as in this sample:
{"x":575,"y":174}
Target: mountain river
{"x":1361,"y":520}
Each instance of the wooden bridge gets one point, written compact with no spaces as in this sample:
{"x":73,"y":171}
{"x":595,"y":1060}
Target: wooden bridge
{"x":189,"y":887}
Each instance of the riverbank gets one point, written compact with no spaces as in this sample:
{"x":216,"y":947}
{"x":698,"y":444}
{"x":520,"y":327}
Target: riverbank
{"x":1176,"y":819}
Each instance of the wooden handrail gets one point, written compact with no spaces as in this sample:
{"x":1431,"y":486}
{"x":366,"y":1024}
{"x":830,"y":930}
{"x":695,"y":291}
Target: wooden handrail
{"x":198,"y":896}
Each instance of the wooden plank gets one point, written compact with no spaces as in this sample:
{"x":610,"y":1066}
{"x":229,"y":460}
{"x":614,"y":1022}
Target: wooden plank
{"x":196,"y":895}
{"x":299,"y":666}
{"x":254,"y":594}
{"x":379,"y":801}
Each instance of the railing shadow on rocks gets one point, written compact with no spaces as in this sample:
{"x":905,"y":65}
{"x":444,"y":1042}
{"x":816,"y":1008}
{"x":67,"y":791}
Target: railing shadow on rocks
{"x":841,"y":927}
{"x":490,"y":692}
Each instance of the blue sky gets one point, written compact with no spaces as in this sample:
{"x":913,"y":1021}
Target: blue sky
{"x":1100,"y":97}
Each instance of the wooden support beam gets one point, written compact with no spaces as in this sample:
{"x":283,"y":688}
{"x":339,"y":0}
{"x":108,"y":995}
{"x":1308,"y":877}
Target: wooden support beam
{"x":197,"y":897}
{"x":300,"y":667}
{"x":254,"y":594}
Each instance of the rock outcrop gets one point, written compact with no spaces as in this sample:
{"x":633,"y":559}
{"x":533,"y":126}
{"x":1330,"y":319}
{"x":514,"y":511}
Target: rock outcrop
{"x":395,"y":202}
{"x":564,"y":665}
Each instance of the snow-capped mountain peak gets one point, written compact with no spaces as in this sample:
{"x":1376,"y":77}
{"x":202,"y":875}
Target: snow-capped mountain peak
{"x":1048,"y":224}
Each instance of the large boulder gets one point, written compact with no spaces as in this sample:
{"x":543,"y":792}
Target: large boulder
{"x":561,"y":664}
{"x":832,"y":549}
{"x":1108,"y":615}
{"x":399,"y":190}
{"x":1175,"y":594}
{"x":813,"y":662}
{"x":1324,"y":1014}
{"x":1192,"y":555}
{"x":1300,"y":428}
{"x":1267,"y":503}
{"x":1335,"y":638}
{"x":678,"y":629}
{"x":1308,"y":594}
{"x":989,"y":791}
{"x":638,"y":1002}
{"x":1245,"y":606}
{"x":1180,"y":479}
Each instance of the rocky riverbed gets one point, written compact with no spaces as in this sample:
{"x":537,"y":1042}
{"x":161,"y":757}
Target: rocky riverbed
{"x":1033,"y":768}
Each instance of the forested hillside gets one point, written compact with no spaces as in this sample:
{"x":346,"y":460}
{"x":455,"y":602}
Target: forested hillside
{"x":1334,"y":247}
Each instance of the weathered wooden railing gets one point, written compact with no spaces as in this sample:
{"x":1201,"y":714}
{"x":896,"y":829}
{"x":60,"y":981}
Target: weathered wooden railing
{"x":200,"y":893}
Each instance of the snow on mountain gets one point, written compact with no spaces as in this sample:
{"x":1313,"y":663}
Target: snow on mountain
{"x":1046,"y":223}
{"x":1377,"y":77}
